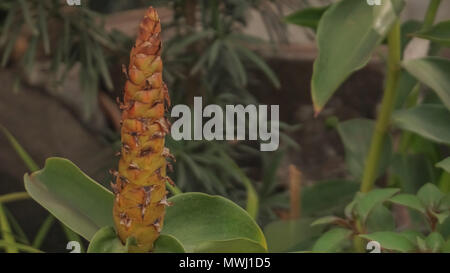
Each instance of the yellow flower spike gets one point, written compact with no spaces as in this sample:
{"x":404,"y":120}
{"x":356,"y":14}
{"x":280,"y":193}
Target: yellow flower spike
{"x":140,"y":190}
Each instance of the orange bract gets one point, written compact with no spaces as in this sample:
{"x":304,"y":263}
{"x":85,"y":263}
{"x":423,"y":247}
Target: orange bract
{"x":140,"y":190}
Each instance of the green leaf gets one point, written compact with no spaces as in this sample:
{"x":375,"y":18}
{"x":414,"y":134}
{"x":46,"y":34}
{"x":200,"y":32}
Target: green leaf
{"x":435,"y":241}
{"x":444,"y":164}
{"x":439,"y":33}
{"x":241,"y":245}
{"x":291,"y":235}
{"x":410,"y":201}
{"x":412,"y":235}
{"x":367,"y":202}
{"x":199,"y":220}
{"x":407,"y":29}
{"x":168,"y":244}
{"x":307,"y":17}
{"x":6,"y":232}
{"x":106,"y":241}
{"x":356,"y":135}
{"x":412,"y":171}
{"x":430,"y":121}
{"x":332,"y":240}
{"x":446,"y":247}
{"x":260,"y":63}
{"x":26,"y":158}
{"x":391,"y":241}
{"x":430,"y":195}
{"x":71,"y":196}
{"x":441,"y":216}
{"x":432,"y":71}
{"x":348,"y":33}
{"x":380,"y":219}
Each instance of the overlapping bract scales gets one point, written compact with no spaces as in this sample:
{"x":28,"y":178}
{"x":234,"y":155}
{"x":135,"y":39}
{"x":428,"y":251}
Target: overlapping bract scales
{"x":140,"y":190}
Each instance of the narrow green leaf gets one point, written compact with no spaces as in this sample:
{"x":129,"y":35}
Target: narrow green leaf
{"x":326,"y":220}
{"x":432,"y":71}
{"x":24,"y":248}
{"x":237,"y":64}
{"x":428,"y":120}
{"x":43,"y":231}
{"x":307,"y":17}
{"x":214,"y":53}
{"x":261,"y":64}
{"x":27,"y":16}
{"x":7,"y":232}
{"x":391,"y":241}
{"x":44,"y":29}
{"x":439,"y":33}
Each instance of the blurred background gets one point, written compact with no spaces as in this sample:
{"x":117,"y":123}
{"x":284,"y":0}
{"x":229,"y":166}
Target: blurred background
{"x":61,"y":72}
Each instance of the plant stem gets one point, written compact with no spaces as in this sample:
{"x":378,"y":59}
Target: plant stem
{"x":387,"y":105}
{"x":15,"y":196}
{"x":431,"y":14}
{"x":7,"y":233}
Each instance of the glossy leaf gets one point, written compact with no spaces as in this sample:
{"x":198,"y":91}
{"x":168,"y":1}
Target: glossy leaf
{"x":367,"y":202}
{"x":391,"y":241}
{"x":307,"y":17}
{"x":106,"y":241}
{"x":356,"y":135}
{"x":71,"y":196}
{"x":240,"y":245}
{"x":332,"y":240}
{"x":410,"y":201}
{"x":434,"y":72}
{"x":444,"y":164}
{"x":430,"y":121}
{"x":168,"y":244}
{"x":439,"y":33}
{"x":198,"y":220}
{"x":348,"y":33}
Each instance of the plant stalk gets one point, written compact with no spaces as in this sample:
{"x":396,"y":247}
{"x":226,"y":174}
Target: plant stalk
{"x":387,"y":105}
{"x":431,"y":14}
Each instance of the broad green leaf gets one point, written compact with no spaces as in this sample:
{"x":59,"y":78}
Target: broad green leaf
{"x":356,"y":135}
{"x":291,"y":235}
{"x":380,"y":219}
{"x":410,"y":201}
{"x":435,"y":241}
{"x":307,"y":17}
{"x":439,"y":33}
{"x":367,"y":202}
{"x":71,"y":196}
{"x":391,"y":241}
{"x":430,"y":195}
{"x":347,"y":34}
{"x":241,"y":245}
{"x":168,"y":244}
{"x":332,"y":240}
{"x":106,"y":241}
{"x":434,"y":72}
{"x":197,"y":218}
{"x":430,"y":121}
{"x":406,"y":84}
{"x":444,"y":164}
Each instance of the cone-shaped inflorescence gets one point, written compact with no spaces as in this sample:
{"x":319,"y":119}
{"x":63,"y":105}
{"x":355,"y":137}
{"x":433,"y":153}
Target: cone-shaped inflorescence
{"x":140,"y":192}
